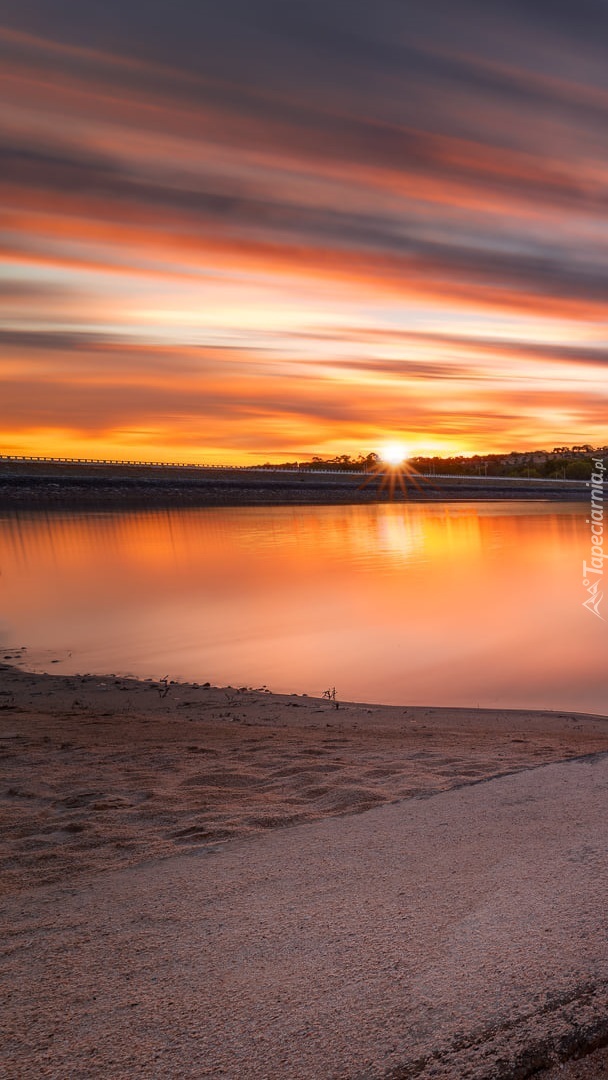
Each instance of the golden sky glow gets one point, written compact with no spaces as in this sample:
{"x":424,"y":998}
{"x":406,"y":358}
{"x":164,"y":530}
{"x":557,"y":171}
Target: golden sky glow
{"x":259,"y":233}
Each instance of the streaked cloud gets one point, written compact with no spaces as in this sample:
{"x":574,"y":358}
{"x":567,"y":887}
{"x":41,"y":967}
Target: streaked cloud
{"x":269,"y":228}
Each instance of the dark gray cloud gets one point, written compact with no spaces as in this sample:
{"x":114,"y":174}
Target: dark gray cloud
{"x":521,"y":349}
{"x":56,"y":340}
{"x":583,"y":18}
{"x":399,"y":242}
{"x":99,"y":354}
{"x":452,"y":149}
{"x":385,"y":84}
{"x":30,"y":290}
{"x":352,"y":48}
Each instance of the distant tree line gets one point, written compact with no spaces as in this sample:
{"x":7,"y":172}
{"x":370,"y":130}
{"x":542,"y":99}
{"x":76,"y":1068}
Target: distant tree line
{"x":561,"y":463}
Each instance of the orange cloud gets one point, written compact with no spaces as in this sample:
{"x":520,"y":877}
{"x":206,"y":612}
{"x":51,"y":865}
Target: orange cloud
{"x":317,"y":241}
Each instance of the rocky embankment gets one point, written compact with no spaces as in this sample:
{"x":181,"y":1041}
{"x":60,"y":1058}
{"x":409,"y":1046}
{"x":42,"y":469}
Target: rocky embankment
{"x":43,"y":486}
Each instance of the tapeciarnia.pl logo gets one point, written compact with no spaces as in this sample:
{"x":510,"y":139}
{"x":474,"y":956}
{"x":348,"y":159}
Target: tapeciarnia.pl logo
{"x":593,"y":571}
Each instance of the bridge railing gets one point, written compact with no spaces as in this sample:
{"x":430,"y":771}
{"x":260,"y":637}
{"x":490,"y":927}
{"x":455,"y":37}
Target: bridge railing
{"x":104,"y":462}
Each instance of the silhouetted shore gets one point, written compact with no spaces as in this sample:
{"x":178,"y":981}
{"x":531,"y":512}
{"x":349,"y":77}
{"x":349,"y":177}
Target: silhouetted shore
{"x":115,"y":487}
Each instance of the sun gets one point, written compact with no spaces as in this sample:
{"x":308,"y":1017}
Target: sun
{"x":393,"y":453}
{"x":392,"y":470}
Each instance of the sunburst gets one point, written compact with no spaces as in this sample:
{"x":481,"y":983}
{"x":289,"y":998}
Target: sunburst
{"x":393,"y":453}
{"x":393,"y":470}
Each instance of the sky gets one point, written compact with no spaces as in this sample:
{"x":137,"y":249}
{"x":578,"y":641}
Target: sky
{"x":248,"y":230}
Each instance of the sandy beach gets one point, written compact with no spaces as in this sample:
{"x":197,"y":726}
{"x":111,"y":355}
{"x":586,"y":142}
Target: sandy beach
{"x":104,"y":772}
{"x":106,"y":778}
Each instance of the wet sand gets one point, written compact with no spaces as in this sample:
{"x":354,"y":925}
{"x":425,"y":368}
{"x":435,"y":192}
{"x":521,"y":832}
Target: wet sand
{"x":106,"y":778}
{"x":105,"y":772}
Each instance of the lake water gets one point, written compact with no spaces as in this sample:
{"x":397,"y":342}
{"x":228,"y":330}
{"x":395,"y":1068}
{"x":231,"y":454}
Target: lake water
{"x":459,"y":604}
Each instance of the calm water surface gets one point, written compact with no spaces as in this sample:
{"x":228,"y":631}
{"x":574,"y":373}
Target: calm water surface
{"x":463,"y":604}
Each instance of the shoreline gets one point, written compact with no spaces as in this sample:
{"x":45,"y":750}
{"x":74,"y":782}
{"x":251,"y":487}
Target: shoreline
{"x":105,"y":771}
{"x":110,"y":781}
{"x":180,"y":805}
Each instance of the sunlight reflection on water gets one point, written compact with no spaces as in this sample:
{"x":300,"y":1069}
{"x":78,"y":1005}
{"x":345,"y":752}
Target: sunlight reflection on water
{"x":461,"y":604}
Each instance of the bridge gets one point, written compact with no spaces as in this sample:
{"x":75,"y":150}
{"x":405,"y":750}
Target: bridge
{"x":105,"y":463}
